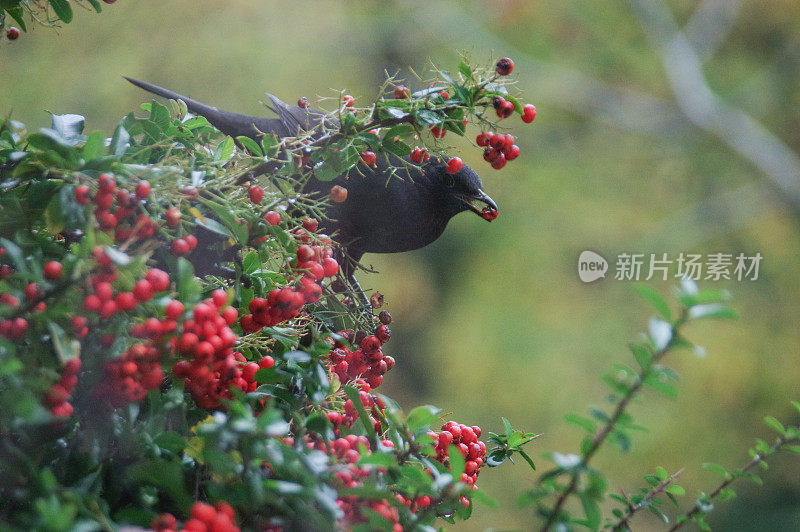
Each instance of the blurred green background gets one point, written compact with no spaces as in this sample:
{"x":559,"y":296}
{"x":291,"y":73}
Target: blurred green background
{"x":492,"y":320}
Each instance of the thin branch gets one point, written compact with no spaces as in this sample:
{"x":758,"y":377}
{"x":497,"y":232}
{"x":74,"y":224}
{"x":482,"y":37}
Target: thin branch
{"x":632,"y":509}
{"x":757,"y":459}
{"x":611,"y":423}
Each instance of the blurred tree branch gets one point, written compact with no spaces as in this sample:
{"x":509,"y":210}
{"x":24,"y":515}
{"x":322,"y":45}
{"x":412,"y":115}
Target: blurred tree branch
{"x":710,"y":24}
{"x":703,"y":108}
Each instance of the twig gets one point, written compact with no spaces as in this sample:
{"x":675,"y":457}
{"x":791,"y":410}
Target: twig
{"x":632,"y":509}
{"x":611,"y":423}
{"x":757,"y":459}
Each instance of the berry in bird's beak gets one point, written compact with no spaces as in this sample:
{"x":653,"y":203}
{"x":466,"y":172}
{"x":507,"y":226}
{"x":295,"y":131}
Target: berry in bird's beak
{"x":488,"y":213}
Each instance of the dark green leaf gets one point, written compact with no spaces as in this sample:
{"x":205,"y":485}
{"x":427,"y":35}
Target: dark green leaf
{"x":62,"y":9}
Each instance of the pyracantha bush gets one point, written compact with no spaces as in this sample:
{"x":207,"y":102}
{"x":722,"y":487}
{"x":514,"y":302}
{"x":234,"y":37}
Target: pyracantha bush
{"x":178,"y":347}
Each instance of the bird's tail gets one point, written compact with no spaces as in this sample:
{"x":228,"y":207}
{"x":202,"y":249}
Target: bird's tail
{"x":194,"y":106}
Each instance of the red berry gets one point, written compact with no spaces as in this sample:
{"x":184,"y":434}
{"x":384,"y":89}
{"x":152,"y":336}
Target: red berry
{"x":506,"y":109}
{"x":173,"y":216}
{"x":256,"y":194}
{"x":499,"y":162}
{"x":512,"y":153}
{"x":368,"y":157}
{"x":159,"y":279}
{"x":272,"y":218}
{"x":302,"y":102}
{"x":249,"y":371}
{"x":82,"y":194}
{"x":504,"y":67}
{"x":179,"y":247}
{"x":266,"y":362}
{"x":12,"y":33}
{"x":107,"y":183}
{"x":483,"y":139}
{"x":401,"y":92}
{"x":53,"y":270}
{"x":33,"y":292}
{"x":143,"y":189}
{"x":330,"y":267}
{"x":310,"y":224}
{"x":126,"y":301}
{"x":338,"y":194}
{"x":384,"y":317}
{"x":438,"y":132}
{"x":528,"y":113}
{"x":107,"y":220}
{"x":454,"y":165}
{"x":349,"y":101}
{"x":143,"y":290}
{"x":305,"y":253}
{"x":203,"y":512}
{"x":191,"y":240}
{"x":174,"y":309}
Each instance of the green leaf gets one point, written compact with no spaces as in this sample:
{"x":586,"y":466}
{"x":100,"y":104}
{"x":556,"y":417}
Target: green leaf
{"x":726,"y":494}
{"x":642,"y":354}
{"x":224,"y":150}
{"x":95,"y":5}
{"x":676,"y":490}
{"x":527,"y":458}
{"x":62,"y":9}
{"x":716,"y":468}
{"x":655,"y":299}
{"x":422,"y":416}
{"x":465,"y":71}
{"x":775,"y":424}
{"x":456,"y":462}
{"x":661,"y":473}
{"x":585,"y":423}
{"x":352,"y":394}
{"x":425,"y":117}
{"x":171,"y":441}
{"x":250,"y":145}
{"x":95,"y":146}
{"x":120,"y":141}
{"x":19,"y":15}
{"x":592,"y":511}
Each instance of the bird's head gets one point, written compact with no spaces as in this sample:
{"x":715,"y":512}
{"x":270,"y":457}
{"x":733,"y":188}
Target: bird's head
{"x":462,"y":189}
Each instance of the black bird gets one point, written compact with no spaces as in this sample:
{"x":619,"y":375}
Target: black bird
{"x":380,"y":215}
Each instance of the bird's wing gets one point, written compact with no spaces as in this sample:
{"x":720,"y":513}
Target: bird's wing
{"x":294,"y":118}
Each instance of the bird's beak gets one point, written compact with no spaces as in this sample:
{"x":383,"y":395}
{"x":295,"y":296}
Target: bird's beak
{"x":489,"y":212}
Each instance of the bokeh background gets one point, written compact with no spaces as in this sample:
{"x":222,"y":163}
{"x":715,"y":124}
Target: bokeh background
{"x":643,"y":143}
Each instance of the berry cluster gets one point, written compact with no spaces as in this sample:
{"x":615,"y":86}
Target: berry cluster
{"x":103,"y":301}
{"x":346,"y":451}
{"x":129,"y":376}
{"x":57,"y":398}
{"x":211,"y":366}
{"x":498,"y":148}
{"x":312,"y":264}
{"x":466,"y":440}
{"x":367,"y":363}
{"x":205,"y":518}
{"x":419,"y":155}
{"x":116,"y":208}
